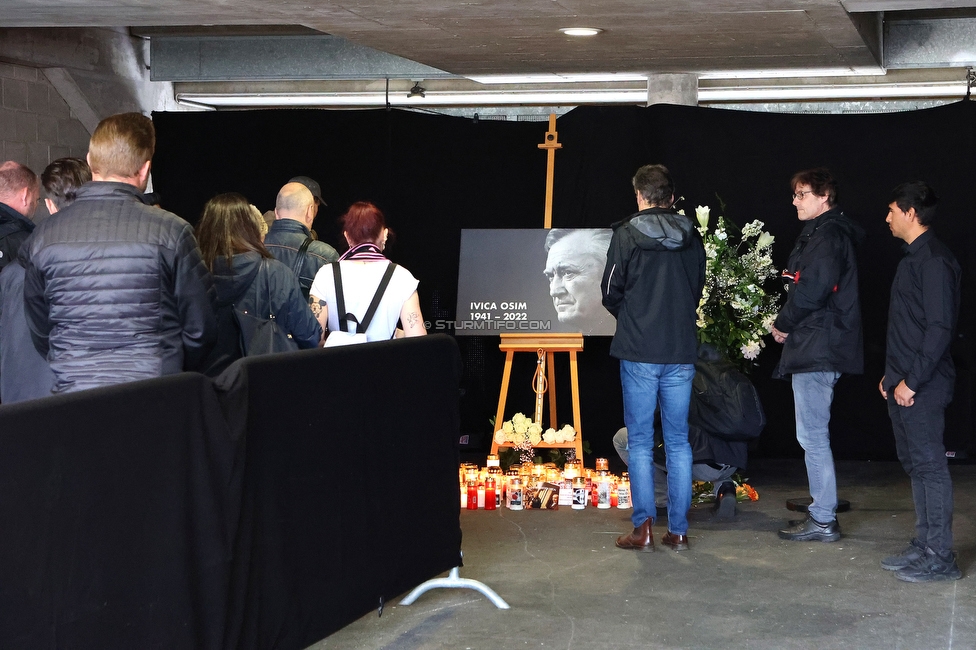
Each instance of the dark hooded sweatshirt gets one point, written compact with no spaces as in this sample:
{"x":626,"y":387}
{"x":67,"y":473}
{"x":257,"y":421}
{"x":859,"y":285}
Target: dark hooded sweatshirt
{"x":822,"y":314}
{"x":652,"y":285}
{"x":265,"y":287}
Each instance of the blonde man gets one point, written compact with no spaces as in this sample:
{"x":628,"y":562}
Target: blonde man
{"x":115,"y":289}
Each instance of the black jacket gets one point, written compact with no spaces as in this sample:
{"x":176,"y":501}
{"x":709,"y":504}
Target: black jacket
{"x":922,"y":319}
{"x":652,"y":285}
{"x":285,"y":238}
{"x":116,"y":290}
{"x":822,"y":314}
{"x":24,"y":373}
{"x":263,"y":287}
{"x":15,"y":228}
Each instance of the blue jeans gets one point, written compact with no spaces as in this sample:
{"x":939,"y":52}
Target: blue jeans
{"x":644,"y":384}
{"x":812,"y":394}
{"x":918,"y":433}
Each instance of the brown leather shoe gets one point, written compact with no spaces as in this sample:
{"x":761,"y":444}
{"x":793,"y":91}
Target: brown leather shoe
{"x":676,"y":542}
{"x":642,"y":539}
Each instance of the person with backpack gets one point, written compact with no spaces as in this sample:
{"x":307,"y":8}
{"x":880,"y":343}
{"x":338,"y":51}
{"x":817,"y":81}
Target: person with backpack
{"x":363,"y":295}
{"x":246,"y":276}
{"x":290,"y":237}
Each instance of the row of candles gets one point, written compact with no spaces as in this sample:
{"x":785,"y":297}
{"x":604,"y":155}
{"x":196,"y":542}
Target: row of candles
{"x":489,"y":488}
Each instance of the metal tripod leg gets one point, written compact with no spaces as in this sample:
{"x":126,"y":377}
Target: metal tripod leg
{"x":455,"y":582}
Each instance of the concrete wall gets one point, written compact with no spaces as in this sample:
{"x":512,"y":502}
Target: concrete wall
{"x":36,"y":125}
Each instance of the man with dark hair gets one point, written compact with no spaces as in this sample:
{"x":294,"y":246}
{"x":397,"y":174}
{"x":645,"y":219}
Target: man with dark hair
{"x":652,"y":285}
{"x":919,"y":379}
{"x":820,"y":329}
{"x":24,"y":372}
{"x":19,"y":194}
{"x":290,"y":237}
{"x":113,"y":287}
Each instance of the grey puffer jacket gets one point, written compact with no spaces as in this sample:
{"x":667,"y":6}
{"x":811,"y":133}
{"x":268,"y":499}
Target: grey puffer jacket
{"x":115,"y":290}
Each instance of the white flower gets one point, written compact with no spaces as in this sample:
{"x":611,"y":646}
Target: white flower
{"x":751,"y":350}
{"x":701,"y":213}
{"x":535,"y":438}
{"x":534,"y":429}
{"x":569,"y":433}
{"x":765,"y":240}
{"x":508,"y":428}
{"x":720,"y":235}
{"x":768,"y":321}
{"x":549,"y":436}
{"x":500,"y":437}
{"x":681,"y":212}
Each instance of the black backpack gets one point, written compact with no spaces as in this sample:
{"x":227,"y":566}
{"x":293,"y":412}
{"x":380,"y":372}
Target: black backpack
{"x":724,"y":402}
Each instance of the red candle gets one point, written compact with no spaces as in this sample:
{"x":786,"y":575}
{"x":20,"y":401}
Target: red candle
{"x":489,"y":493}
{"x":472,"y":496}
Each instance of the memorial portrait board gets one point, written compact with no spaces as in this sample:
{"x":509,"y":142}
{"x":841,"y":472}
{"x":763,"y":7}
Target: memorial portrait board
{"x":532,"y":280}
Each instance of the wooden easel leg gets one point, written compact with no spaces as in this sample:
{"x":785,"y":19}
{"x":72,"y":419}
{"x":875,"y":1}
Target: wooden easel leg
{"x":551,"y":360}
{"x":502,"y":397}
{"x":574,"y":377}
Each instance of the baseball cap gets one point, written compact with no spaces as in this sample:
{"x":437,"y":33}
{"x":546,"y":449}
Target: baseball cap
{"x":312,"y":186}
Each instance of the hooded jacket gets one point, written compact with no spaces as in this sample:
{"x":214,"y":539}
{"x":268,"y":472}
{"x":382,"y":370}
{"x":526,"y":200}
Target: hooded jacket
{"x":652,"y":285}
{"x":116,"y":290}
{"x":822,"y":314}
{"x":264,"y":287}
{"x":14,"y":229}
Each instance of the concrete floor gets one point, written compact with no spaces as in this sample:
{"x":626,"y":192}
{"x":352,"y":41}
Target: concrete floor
{"x":738,"y":586}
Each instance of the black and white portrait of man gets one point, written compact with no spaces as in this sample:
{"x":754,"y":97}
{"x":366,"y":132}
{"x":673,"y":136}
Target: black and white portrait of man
{"x":574,"y":267}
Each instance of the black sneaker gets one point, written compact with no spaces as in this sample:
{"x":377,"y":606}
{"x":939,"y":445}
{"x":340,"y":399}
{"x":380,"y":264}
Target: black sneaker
{"x":724,"y":507}
{"x":912,"y":552}
{"x":930,"y":568}
{"x":811,"y":530}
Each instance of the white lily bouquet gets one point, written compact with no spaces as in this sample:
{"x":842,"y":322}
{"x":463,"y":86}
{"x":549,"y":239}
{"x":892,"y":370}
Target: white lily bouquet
{"x":524,"y":434}
{"x":736,"y":310}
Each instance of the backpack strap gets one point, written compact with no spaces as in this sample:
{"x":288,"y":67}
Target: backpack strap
{"x":299,"y":262}
{"x":344,"y":317}
{"x":340,"y":299}
{"x":380,"y":290}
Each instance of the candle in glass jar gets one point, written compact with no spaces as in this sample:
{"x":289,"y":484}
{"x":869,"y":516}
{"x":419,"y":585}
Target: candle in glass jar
{"x":472,"y":495}
{"x":493,"y":461}
{"x":490,"y":493}
{"x":623,"y":492}
{"x":602,"y":464}
{"x":580,"y":494}
{"x":603,"y":490}
{"x":515,"y":493}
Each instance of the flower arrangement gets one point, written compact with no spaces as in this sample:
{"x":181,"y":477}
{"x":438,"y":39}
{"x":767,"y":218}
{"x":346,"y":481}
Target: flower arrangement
{"x":736,"y":310}
{"x":703,"y":491}
{"x":523,"y":434}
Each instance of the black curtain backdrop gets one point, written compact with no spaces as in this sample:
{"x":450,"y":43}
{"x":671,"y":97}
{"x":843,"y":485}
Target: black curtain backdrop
{"x":435,"y":175}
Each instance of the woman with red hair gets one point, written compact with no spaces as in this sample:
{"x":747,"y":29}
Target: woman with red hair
{"x":374,"y":292}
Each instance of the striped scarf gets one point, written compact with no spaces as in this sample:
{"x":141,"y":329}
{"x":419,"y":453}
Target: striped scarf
{"x":367,"y":252}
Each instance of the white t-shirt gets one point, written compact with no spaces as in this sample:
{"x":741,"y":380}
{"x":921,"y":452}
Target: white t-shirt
{"x":359,"y":283}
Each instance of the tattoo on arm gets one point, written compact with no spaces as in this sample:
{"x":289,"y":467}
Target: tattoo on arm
{"x":316,"y":304}
{"x":412,"y":319}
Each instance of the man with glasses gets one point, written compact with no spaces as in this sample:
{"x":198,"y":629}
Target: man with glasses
{"x":820,"y":329}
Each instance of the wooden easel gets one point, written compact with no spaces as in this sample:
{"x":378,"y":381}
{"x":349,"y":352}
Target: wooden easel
{"x":549,"y":344}
{"x":545,"y":345}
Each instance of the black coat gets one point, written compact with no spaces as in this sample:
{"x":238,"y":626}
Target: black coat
{"x":116,"y":290}
{"x":24,"y":372}
{"x":652,"y":285}
{"x":15,"y":228}
{"x":264,"y":287}
{"x":822,"y":314}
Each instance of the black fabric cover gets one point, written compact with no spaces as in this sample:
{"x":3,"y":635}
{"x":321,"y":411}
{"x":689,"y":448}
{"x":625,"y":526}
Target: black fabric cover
{"x":115,"y":507}
{"x":433,"y":175}
{"x":264,"y":510}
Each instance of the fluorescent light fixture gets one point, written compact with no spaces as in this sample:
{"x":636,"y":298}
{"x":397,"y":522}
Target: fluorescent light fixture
{"x":851,"y":91}
{"x":554,"y":78}
{"x":581,"y":31}
{"x":576,"y":97}
{"x":792,"y":73}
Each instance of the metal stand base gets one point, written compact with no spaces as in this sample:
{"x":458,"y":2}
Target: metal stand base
{"x":455,"y":582}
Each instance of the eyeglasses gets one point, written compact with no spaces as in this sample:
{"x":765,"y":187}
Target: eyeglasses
{"x":799,"y":195}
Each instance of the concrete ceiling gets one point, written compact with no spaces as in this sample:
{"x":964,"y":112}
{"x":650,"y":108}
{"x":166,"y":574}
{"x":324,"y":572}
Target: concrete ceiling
{"x":478,"y":37}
